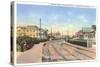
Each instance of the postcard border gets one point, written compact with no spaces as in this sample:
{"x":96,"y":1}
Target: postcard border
{"x":47,"y":4}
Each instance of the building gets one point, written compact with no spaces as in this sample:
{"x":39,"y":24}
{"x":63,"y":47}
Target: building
{"x":31,"y":31}
{"x":43,"y":34}
{"x":56,"y":35}
{"x":87,"y":33}
{"x":79,"y":35}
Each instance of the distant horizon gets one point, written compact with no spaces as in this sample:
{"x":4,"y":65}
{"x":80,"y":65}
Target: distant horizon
{"x":62,"y":19}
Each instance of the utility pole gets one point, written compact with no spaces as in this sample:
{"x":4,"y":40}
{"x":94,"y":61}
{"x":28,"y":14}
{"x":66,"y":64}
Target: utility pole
{"x":40,"y":23}
{"x":51,"y":32}
{"x":40,"y":28}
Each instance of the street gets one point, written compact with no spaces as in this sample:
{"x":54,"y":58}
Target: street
{"x":55,"y":50}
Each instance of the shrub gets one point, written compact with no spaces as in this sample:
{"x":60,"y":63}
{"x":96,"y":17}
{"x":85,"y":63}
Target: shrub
{"x":26,"y":42}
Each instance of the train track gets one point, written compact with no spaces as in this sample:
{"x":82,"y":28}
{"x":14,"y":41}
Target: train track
{"x":48,"y":51}
{"x":76,"y":53}
{"x":81,"y":48}
{"x":61,"y":52}
{"x":66,"y":58}
{"x":81,"y":51}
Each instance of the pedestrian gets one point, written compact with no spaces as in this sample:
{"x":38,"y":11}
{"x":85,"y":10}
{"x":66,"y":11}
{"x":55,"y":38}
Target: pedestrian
{"x":25,"y":46}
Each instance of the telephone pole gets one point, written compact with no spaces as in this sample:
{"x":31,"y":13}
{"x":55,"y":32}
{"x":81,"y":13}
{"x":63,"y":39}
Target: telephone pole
{"x":40,"y":23}
{"x":40,"y":28}
{"x":51,"y":31}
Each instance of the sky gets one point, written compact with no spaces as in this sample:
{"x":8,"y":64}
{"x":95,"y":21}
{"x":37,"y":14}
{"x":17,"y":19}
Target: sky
{"x":60,"y":19}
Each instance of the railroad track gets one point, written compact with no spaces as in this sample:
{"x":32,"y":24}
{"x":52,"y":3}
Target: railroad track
{"x":84,"y":52}
{"x":81,"y":48}
{"x":48,"y":51}
{"x":67,"y":56}
{"x":60,"y":53}
{"x":67,"y":52}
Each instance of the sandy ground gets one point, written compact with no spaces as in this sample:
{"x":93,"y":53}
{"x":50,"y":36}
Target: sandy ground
{"x":30,"y":56}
